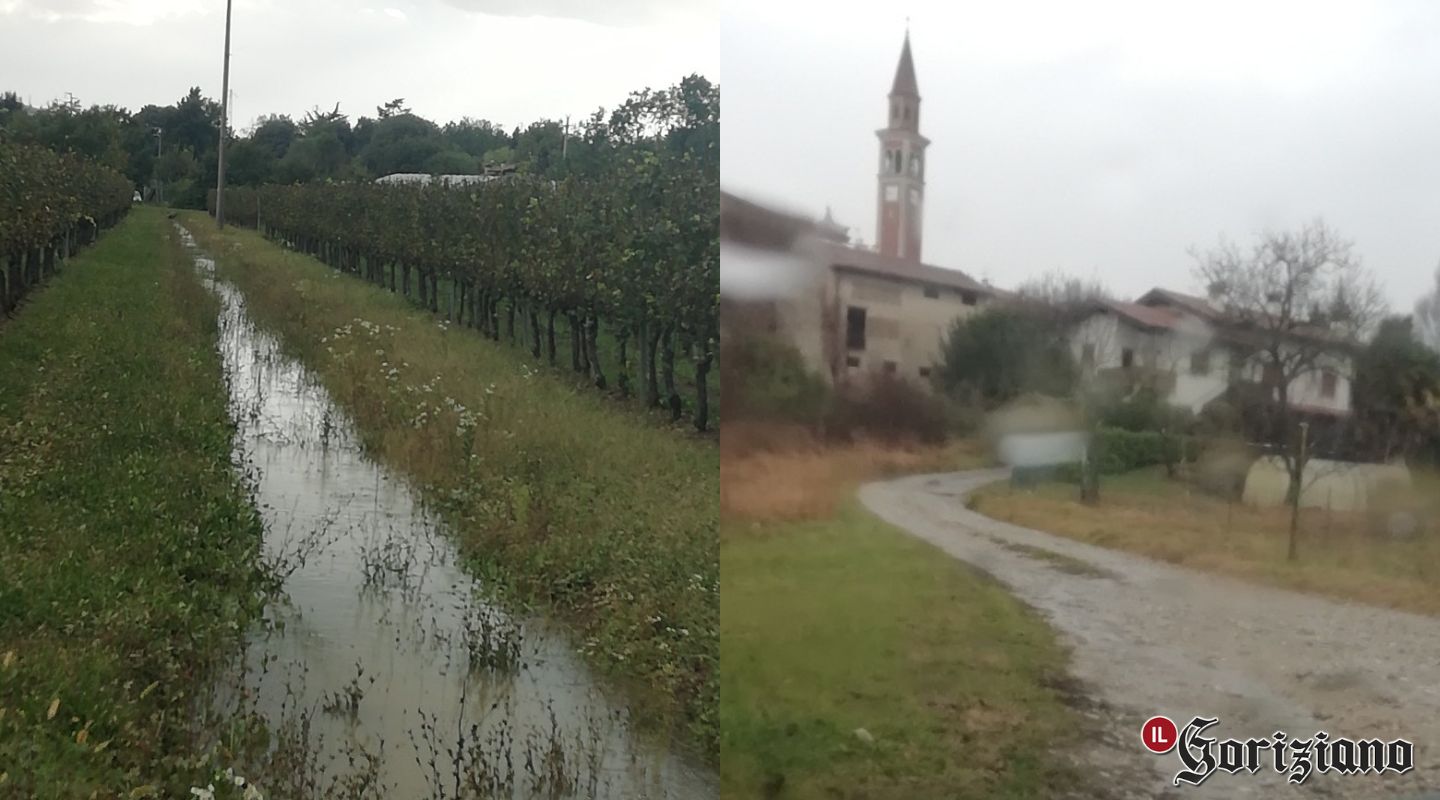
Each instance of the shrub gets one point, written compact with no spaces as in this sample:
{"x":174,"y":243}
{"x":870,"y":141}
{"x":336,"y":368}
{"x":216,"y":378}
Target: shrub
{"x":889,"y":409}
{"x":1116,"y":451}
{"x":764,"y":378}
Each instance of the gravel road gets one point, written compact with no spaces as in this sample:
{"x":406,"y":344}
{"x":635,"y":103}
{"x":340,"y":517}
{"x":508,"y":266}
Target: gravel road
{"x":1150,"y":638}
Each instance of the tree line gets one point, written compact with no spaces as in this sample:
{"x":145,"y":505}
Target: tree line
{"x":53,"y":204}
{"x":631,"y":253}
{"x":169,"y":151}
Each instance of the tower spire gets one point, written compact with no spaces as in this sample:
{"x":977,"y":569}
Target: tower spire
{"x":905,"y":84}
{"x":902,"y":165}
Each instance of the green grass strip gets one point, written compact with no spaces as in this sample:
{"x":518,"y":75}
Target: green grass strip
{"x":843,"y":624}
{"x":127,"y":542}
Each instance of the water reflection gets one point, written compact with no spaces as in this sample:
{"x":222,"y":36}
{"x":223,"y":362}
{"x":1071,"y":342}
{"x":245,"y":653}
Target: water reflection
{"x":383,"y":670}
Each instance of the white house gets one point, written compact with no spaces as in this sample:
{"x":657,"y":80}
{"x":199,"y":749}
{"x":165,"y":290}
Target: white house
{"x":1192,"y":353}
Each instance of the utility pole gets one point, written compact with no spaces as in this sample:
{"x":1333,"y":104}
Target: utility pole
{"x":1299,"y":489}
{"x":159,"y":188}
{"x":224,"y":123}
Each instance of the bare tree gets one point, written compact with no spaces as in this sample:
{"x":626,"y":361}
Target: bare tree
{"x":1427,"y":316}
{"x":1069,"y":295}
{"x":1299,"y":302}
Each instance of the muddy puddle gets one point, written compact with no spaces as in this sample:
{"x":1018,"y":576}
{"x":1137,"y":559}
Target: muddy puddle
{"x":383,"y":672}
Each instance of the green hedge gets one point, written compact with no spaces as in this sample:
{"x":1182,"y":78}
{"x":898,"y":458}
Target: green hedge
{"x":1118,"y":451}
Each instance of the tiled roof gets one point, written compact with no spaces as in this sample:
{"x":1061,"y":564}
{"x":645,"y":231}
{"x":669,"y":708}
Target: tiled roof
{"x":873,"y":263}
{"x":1146,"y":316}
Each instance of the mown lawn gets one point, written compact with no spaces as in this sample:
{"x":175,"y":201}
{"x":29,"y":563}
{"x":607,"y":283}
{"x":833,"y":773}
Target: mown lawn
{"x":127,"y":542}
{"x":555,"y":492}
{"x":1344,"y":555}
{"x":834,"y":621}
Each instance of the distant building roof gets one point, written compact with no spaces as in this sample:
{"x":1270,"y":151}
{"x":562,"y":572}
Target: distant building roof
{"x":873,"y":263}
{"x":752,"y":224}
{"x":1154,"y":317}
{"x":492,"y":172}
{"x":1195,"y":305}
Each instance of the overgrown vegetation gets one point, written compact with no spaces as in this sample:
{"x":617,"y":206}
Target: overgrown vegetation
{"x":766,"y":382}
{"x":127,"y":542}
{"x":850,"y":663}
{"x":552,"y":491}
{"x":53,"y":205}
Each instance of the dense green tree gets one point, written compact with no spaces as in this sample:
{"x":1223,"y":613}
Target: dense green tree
{"x":1005,"y":351}
{"x":1397,"y":393}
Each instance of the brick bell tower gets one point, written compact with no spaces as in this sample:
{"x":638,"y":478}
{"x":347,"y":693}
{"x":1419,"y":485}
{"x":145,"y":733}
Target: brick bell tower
{"x":901,"y":191}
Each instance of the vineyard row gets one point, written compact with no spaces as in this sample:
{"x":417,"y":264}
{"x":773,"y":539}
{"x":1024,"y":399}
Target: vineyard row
{"x":636,"y":256}
{"x":50,"y":206}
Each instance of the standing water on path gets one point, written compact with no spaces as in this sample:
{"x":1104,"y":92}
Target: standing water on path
{"x":383,"y":672}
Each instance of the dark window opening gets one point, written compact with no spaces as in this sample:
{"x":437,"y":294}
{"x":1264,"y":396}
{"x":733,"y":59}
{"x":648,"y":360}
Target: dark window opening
{"x":924,"y":372}
{"x":969,"y":298}
{"x":889,"y":367}
{"x":1328,"y":382}
{"x":852,"y":361}
{"x":932,"y":291}
{"x":855,"y":328}
{"x":1127,"y":358}
{"x":1200,"y":362}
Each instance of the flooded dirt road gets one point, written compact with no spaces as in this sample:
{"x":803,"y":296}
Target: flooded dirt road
{"x":1149,"y":638}
{"x":384,"y":667}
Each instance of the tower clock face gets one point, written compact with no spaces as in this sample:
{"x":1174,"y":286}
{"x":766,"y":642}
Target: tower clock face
{"x":892,"y":193}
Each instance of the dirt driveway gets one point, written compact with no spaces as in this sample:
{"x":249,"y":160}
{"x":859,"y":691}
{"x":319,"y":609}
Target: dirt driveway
{"x":1149,"y":638}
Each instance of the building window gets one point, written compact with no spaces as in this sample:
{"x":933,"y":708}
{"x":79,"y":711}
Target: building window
{"x":855,"y":328}
{"x":897,"y":169}
{"x":892,"y":193}
{"x":1200,"y":362}
{"x":1127,"y":358}
{"x":915,"y":164}
{"x":852,"y":361}
{"x":968,"y":298}
{"x":1328,"y":380}
{"x":1087,"y":355}
{"x":889,"y":367}
{"x":924,"y":372}
{"x":932,"y":292}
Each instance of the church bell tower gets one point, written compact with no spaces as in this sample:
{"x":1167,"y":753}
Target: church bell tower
{"x":901,"y":191}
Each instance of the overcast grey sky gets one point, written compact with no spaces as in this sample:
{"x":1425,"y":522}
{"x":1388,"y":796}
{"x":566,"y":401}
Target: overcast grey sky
{"x":509,"y":61}
{"x":1104,"y":138}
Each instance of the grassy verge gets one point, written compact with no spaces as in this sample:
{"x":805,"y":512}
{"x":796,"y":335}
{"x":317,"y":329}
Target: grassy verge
{"x":127,"y":542}
{"x":552,"y":491}
{"x":1340,"y":554}
{"x":834,"y":621}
